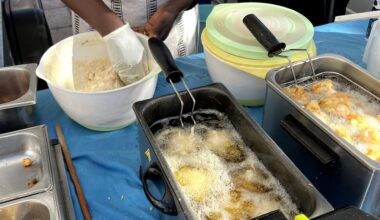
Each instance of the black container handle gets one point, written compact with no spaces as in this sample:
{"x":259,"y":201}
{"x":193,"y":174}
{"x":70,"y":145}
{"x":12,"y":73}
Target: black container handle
{"x":166,"y":204}
{"x":164,"y":58}
{"x":263,"y":35}
{"x":310,"y":141}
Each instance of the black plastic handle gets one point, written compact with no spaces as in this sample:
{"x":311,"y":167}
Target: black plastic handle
{"x":165,"y":60}
{"x":263,"y":35}
{"x":166,"y":204}
{"x":309,"y":140}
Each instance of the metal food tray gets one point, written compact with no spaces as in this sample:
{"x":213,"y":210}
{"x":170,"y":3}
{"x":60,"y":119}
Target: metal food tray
{"x":47,"y":199}
{"x":19,"y":181}
{"x":39,"y":206}
{"x":343,"y":174}
{"x":18,"y":86}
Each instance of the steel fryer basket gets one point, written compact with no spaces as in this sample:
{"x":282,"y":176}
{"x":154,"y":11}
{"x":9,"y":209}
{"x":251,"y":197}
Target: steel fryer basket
{"x":272,"y":45}
{"x":172,"y":73}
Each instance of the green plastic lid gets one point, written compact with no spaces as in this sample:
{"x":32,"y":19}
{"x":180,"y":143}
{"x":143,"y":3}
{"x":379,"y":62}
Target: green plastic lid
{"x":227,"y":31}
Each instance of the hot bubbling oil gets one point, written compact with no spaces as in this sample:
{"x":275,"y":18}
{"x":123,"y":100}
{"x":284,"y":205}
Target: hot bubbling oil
{"x":215,"y":184}
{"x":347,"y":109}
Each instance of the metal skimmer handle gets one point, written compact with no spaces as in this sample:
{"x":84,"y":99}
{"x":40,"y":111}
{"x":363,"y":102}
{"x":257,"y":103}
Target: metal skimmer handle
{"x":165,"y":60}
{"x":263,"y":35}
{"x":270,"y":42}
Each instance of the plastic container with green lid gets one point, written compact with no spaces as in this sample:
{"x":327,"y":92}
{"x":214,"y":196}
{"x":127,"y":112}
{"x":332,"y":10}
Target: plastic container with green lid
{"x":255,"y":67}
{"x":244,"y":77}
{"x":227,"y":31}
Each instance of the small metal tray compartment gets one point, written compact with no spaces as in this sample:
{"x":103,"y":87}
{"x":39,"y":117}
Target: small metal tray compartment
{"x":18,"y":86}
{"x":49,"y":197}
{"x":40,"y":206}
{"x":24,"y":163}
{"x":217,"y":97}
{"x":343,"y":174}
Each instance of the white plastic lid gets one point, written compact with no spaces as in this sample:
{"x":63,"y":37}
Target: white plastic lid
{"x":227,"y":31}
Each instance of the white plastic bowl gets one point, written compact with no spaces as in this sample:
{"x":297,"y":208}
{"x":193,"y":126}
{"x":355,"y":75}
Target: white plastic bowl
{"x":248,"y":89}
{"x":245,"y":78}
{"x":102,"y":110}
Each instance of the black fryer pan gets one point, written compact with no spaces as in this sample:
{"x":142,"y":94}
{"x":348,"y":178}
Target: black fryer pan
{"x":217,"y":97}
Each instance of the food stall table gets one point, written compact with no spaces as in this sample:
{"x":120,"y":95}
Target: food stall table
{"x":107,"y":163}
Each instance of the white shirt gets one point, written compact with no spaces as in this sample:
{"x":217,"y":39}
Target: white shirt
{"x":182,"y":39}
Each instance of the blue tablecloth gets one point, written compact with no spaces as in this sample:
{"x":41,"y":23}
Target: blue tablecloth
{"x":107,"y":163}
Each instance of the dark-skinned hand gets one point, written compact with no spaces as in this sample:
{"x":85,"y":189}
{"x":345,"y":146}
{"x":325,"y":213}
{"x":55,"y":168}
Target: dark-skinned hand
{"x":160,"y":23}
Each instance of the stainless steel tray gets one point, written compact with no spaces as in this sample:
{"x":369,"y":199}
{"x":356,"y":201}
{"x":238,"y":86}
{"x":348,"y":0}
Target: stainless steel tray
{"x":18,"y":87}
{"x":343,"y":174}
{"x":39,"y":206}
{"x":19,"y":180}
{"x":49,"y":200}
{"x":328,"y":66}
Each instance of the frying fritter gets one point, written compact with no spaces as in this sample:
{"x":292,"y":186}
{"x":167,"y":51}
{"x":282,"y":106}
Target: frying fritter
{"x":249,"y":179}
{"x":223,"y":144}
{"x":298,"y":93}
{"x":323,"y":87}
{"x":214,"y":216}
{"x":357,"y":120}
{"x":343,"y":132}
{"x":337,"y":104}
{"x":370,"y":136}
{"x":182,"y":142}
{"x":243,"y":210}
{"x":313,"y":106}
{"x":195,"y":181}
{"x":374,"y":153}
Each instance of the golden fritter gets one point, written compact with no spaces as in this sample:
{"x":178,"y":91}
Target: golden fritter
{"x":298,"y":93}
{"x":248,"y":179}
{"x":323,"y":87}
{"x":235,"y":196}
{"x":370,"y":136}
{"x":313,"y":106}
{"x":213,"y":216}
{"x":243,"y":210}
{"x":357,"y":120}
{"x":182,"y":142}
{"x":374,"y":153}
{"x":337,"y":104}
{"x":195,"y":181}
{"x":343,"y":132}
{"x":224,"y":145}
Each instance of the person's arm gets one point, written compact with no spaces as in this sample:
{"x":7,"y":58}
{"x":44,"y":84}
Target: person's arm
{"x":97,"y":14}
{"x":162,"y":21}
{"x":124,"y":49}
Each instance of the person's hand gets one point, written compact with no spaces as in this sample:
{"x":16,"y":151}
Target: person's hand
{"x":160,"y":23}
{"x":126,"y":53}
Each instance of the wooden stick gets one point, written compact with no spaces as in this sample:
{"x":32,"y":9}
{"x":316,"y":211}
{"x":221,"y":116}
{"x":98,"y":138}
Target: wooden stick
{"x":73,"y":175}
